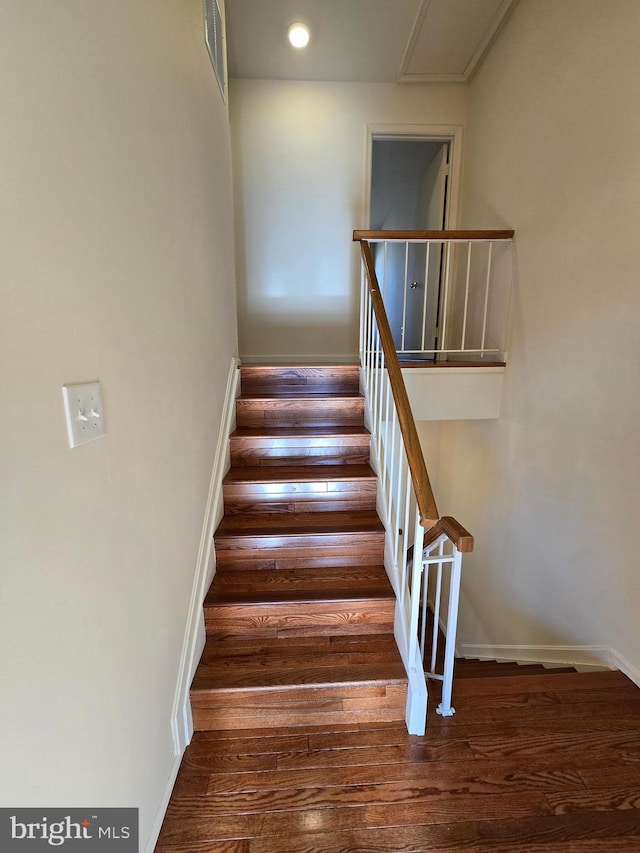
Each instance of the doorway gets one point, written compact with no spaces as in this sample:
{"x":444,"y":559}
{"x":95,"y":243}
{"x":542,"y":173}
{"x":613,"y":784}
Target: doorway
{"x":410,"y":189}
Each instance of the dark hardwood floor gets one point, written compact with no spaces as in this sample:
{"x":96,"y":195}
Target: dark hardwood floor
{"x":545,"y":762}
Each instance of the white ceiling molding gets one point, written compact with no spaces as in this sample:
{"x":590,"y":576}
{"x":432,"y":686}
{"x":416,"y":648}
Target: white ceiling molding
{"x":499,"y":20}
{"x":451,"y":34}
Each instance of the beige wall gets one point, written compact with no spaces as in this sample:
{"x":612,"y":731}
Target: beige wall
{"x":552,"y":490}
{"x":299,"y":180}
{"x":116,"y":265}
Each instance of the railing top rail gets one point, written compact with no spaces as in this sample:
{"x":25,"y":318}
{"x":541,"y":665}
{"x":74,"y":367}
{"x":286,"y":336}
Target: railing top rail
{"x":426,"y":503}
{"x":451,"y":528}
{"x":422,"y":486}
{"x":433,"y":236}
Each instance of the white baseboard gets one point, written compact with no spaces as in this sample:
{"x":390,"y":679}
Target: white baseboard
{"x":619,"y":661}
{"x":350,"y":358}
{"x":164,"y":803}
{"x":194,"y":637}
{"x":195,"y":634}
{"x":592,"y":657}
{"x":181,"y":723}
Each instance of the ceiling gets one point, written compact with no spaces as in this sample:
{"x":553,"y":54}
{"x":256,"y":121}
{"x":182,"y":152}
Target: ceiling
{"x":363,"y":41}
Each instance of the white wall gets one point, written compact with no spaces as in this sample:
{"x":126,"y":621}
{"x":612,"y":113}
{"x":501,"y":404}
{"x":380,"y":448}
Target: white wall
{"x":117,"y":266}
{"x":551,"y":491}
{"x":299,"y":184}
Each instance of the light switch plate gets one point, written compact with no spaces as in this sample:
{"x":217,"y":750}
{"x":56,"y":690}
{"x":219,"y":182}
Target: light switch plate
{"x":83,"y":408}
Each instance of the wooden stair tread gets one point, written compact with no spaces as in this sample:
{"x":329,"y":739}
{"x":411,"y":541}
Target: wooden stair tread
{"x":299,"y":367}
{"x":220,"y":597}
{"x":342,"y":584}
{"x":316,"y":576}
{"x":236,"y":647}
{"x":309,"y":677}
{"x":279,"y":669}
{"x":324,"y":524}
{"x":271,"y":585}
{"x":314,"y":664}
{"x":262,"y":444}
{"x":294,"y":372}
{"x":297,"y":394}
{"x":296,"y":408}
{"x":299,"y":474}
{"x":305,"y":432}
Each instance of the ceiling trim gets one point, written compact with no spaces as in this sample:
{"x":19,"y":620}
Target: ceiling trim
{"x":432,"y":78}
{"x":403,"y":77}
{"x":496,"y":24}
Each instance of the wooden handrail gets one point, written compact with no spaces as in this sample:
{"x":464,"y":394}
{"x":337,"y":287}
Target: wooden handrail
{"x":432,"y":235}
{"x":426,"y":502}
{"x":424,"y":493}
{"x":451,"y":528}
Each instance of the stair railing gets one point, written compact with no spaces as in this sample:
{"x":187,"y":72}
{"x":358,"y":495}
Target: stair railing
{"x":446,"y":292}
{"x":413,"y":524}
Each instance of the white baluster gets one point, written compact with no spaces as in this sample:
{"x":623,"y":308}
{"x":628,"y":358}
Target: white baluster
{"x":445,"y":708}
{"x":384,"y":393}
{"x":399,"y":551}
{"x":416,"y":579}
{"x":404,"y":294}
{"x":466,"y":298}
{"x":426,"y":288}
{"x":365,"y":336}
{"x":387,"y":428}
{"x":362,"y":309}
{"x":486,"y":300}
{"x":371,"y":332}
{"x":374,"y":378}
{"x":384,"y":270}
{"x":443,"y":318}
{"x":405,"y":519}
{"x":436,"y":614}
{"x":391,"y":456}
{"x":425,"y":603}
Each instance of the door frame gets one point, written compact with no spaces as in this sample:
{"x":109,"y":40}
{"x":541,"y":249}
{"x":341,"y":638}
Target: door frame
{"x":451,"y":133}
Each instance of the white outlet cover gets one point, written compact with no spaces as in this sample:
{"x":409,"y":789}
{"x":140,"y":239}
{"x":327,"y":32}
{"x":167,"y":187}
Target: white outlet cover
{"x":85,"y":415}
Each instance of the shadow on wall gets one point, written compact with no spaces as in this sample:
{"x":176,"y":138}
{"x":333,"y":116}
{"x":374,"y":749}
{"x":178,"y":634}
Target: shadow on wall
{"x":301,"y":306}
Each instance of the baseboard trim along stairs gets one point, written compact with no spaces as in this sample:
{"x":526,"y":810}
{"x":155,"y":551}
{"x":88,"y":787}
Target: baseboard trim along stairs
{"x":299,"y":617}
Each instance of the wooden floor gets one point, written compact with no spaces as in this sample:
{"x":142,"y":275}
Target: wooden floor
{"x":543,"y":762}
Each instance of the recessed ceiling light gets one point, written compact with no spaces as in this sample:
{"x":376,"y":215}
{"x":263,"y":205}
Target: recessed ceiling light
{"x":298,"y":35}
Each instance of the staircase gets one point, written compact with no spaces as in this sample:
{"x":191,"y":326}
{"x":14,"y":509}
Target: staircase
{"x":300,"y":613}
